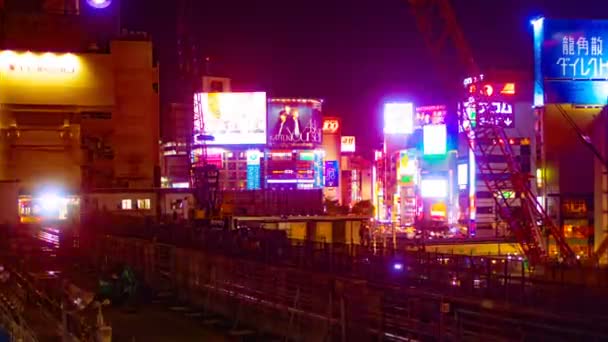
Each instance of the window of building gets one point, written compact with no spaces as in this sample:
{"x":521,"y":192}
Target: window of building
{"x":126,"y":204}
{"x":143,"y":204}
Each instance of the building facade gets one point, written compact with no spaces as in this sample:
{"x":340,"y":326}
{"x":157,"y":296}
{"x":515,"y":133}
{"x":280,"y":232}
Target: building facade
{"x":80,"y":107}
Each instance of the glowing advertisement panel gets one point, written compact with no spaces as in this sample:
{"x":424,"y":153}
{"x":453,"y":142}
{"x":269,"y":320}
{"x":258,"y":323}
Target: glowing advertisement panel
{"x":347,"y":144}
{"x":56,"y":79}
{"x":294,"y":123}
{"x":318,"y":168}
{"x":430,"y":115}
{"x":463,"y":175}
{"x":332,"y":171}
{"x":253,"y":169}
{"x":407,"y":168}
{"x":230,"y":118}
{"x":331,"y":125}
{"x":398,"y":118}
{"x":570,"y":58}
{"x":434,"y":188}
{"x":435,"y":139}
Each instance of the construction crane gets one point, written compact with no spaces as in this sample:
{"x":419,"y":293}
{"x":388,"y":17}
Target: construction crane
{"x":515,"y":201}
{"x":190,"y":63}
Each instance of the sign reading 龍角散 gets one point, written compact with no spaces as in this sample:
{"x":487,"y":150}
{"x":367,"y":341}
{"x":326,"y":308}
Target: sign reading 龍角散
{"x":574,"y":49}
{"x":571,"y":61}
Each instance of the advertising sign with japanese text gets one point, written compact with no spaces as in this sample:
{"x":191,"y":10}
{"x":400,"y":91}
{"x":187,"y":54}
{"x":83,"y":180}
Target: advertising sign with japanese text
{"x":571,"y":61}
{"x":574,"y":49}
{"x":294,"y":123}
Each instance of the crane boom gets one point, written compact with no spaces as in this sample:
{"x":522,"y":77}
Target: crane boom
{"x":516,"y":203}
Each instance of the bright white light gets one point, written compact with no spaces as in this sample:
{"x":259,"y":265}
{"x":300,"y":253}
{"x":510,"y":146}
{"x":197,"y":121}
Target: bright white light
{"x":50,"y":202}
{"x":99,"y":3}
{"x":231,"y":118}
{"x":537,"y":23}
{"x":434,"y":188}
{"x":180,"y":185}
{"x":398,"y":266}
{"x":435,"y":139}
{"x":399,"y":118}
{"x":253,"y":157}
{"x":463,"y":174}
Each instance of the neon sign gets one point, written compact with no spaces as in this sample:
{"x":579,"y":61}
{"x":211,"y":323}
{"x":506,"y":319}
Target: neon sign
{"x":331,"y":125}
{"x":47,"y":63}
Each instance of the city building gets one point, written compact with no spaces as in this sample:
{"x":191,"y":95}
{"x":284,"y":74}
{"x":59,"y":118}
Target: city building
{"x":76,"y":94}
{"x":416,"y":171}
{"x":332,"y":145}
{"x":356,"y":174}
{"x":506,"y":102}
{"x":175,"y":146}
{"x":571,"y":171}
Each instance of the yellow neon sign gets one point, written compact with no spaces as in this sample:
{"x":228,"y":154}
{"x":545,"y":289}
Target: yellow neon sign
{"x":46,"y":63}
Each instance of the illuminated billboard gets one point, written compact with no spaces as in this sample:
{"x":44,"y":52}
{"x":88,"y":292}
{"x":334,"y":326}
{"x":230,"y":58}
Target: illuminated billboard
{"x":34,"y":78}
{"x":407,"y":168}
{"x":435,"y":139}
{"x":347,"y":144}
{"x":230,"y":118}
{"x":253,"y":169}
{"x":331,"y":125}
{"x":332,"y":170}
{"x":294,"y":123}
{"x":570,"y":64}
{"x":463,"y":175}
{"x":430,"y":115}
{"x":398,"y":118}
{"x":434,"y":188}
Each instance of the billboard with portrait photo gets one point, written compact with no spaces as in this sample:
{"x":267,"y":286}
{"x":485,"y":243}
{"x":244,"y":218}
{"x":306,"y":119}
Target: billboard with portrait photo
{"x":294,"y":123}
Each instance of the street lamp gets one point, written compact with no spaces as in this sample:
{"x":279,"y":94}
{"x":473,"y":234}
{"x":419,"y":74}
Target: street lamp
{"x":99,"y":3}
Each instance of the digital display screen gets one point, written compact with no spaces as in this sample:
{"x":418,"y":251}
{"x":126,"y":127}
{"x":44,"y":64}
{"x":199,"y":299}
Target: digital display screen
{"x":435,"y":139}
{"x":294,"y":123}
{"x":430,"y":115}
{"x":230,"y":118}
{"x":434,"y":188}
{"x":398,"y":118}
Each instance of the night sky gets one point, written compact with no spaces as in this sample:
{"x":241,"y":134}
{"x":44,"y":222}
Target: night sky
{"x":355,"y":54}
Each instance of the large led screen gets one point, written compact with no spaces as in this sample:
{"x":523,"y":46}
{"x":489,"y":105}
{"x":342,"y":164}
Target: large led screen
{"x":294,"y":123}
{"x":398,"y":118}
{"x":435,"y":139}
{"x":230,"y":118}
{"x":434,"y":188}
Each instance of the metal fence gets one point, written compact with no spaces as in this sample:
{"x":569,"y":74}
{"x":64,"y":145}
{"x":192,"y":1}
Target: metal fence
{"x":308,"y":291}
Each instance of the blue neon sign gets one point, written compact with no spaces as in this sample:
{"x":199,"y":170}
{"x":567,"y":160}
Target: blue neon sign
{"x":332,"y":170}
{"x":571,"y":61}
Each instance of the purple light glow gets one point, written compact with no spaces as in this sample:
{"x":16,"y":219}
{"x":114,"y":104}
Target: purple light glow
{"x":99,"y":3}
